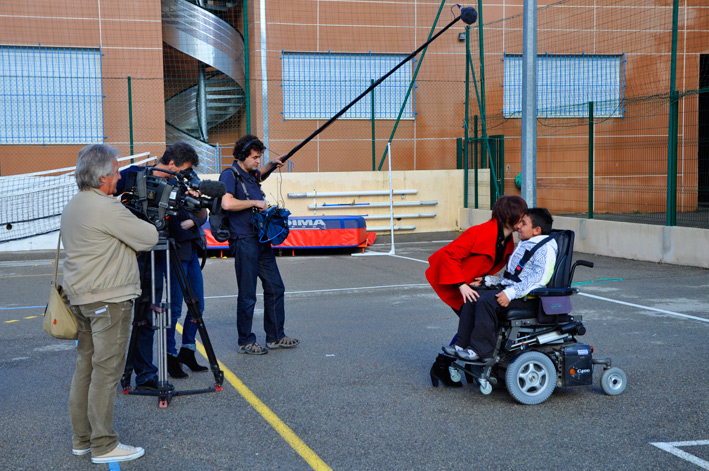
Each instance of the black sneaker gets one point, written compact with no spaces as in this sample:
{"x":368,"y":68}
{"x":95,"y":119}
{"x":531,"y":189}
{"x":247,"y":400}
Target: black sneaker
{"x":152,"y":385}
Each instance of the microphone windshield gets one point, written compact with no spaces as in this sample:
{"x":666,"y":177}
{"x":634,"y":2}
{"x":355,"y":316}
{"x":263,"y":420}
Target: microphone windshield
{"x":212,"y":188}
{"x":468,"y":15}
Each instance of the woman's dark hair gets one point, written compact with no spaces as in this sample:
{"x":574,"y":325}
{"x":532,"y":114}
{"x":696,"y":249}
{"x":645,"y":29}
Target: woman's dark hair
{"x":508,"y":210}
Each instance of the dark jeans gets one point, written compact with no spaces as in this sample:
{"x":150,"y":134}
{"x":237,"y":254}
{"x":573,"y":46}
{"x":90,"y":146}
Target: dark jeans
{"x":193,"y":274}
{"x":477,"y":327}
{"x":252,"y":261}
{"x":143,"y":355}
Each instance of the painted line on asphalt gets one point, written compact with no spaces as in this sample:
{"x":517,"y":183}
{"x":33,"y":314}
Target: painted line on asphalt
{"x":673,"y":448}
{"x":663,"y":311}
{"x":295,"y":442}
{"x":332,"y":290}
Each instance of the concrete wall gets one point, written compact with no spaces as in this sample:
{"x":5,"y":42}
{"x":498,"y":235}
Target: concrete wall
{"x":443,"y":186}
{"x":675,"y":245}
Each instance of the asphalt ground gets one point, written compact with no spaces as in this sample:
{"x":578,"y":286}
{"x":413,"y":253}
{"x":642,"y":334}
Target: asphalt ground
{"x":356,"y":395}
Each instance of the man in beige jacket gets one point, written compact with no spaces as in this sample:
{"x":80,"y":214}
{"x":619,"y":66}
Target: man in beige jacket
{"x":101,"y":279}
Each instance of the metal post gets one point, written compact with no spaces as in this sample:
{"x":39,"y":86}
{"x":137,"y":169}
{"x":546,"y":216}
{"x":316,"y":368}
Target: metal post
{"x":374,"y":147}
{"x":130,"y":117}
{"x":202,"y":121}
{"x":529,"y":103}
{"x":475,"y":157}
{"x":465,"y":124}
{"x":672,"y":128}
{"x":590,"y":160}
{"x":247,"y":77}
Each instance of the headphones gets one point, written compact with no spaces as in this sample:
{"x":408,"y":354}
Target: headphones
{"x":242,"y":154}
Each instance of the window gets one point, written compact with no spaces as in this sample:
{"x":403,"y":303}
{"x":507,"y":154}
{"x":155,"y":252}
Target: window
{"x":50,"y":96}
{"x":566,"y":84}
{"x":318,"y":85}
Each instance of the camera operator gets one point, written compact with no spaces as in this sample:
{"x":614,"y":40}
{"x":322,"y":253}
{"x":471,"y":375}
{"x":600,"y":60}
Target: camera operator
{"x":253,"y":259}
{"x":101,"y":279}
{"x":185,"y":229}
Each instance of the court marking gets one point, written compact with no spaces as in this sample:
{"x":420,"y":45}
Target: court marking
{"x":673,"y":448}
{"x":646,"y":308}
{"x":293,"y":440}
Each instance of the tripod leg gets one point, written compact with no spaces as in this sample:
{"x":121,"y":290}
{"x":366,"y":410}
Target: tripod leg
{"x":193,"y":309}
{"x":138,"y":323}
{"x":140,"y":315}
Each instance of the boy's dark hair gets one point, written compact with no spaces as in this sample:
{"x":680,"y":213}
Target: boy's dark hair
{"x":244,"y":146}
{"x":180,"y":153}
{"x":541,"y":217}
{"x":508,"y":210}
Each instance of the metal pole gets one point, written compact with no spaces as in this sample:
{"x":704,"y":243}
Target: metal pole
{"x":130,"y":117}
{"x":392,"y":251}
{"x":672,"y":128}
{"x":466,"y":154}
{"x":529,"y":103}
{"x":590,"y":160}
{"x":247,"y":75}
{"x":374,"y":147}
{"x":475,"y":157}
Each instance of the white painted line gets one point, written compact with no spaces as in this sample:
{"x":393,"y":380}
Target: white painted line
{"x":672,"y":447}
{"x":409,"y":258}
{"x":368,"y":288}
{"x":671,"y":313}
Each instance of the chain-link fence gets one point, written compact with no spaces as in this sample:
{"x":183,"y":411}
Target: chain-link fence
{"x":604,"y":103}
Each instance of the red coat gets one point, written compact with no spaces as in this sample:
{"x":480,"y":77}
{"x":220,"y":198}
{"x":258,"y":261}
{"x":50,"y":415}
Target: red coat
{"x":469,"y":256}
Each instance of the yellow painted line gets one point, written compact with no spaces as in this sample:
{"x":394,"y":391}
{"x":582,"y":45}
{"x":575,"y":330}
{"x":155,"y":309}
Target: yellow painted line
{"x":310,"y":457}
{"x":31,"y":317}
{"x":10,"y":322}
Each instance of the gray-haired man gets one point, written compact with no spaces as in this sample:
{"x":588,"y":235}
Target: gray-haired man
{"x":101,"y":279}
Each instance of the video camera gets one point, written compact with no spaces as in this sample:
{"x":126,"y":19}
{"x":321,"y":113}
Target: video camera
{"x":156,"y":198}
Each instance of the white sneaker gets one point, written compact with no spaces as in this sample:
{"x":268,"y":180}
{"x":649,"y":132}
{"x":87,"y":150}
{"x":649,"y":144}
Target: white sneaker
{"x":80,"y":452}
{"x":120,"y":453}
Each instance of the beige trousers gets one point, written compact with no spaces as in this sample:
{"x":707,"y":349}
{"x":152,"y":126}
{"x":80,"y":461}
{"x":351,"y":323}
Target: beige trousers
{"x":103,"y":335}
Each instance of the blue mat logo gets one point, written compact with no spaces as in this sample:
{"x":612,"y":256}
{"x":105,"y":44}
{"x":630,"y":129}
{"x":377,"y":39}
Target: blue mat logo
{"x":295,"y":223}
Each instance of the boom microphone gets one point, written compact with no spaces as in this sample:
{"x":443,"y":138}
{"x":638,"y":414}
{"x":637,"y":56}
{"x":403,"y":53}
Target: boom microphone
{"x":467,"y":14}
{"x":212,"y":188}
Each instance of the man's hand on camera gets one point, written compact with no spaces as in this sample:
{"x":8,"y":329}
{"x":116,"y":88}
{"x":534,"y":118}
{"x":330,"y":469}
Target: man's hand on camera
{"x":194,"y":193}
{"x":187,"y":224}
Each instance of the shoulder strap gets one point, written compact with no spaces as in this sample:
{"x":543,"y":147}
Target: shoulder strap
{"x":56,"y":260}
{"x":525,"y":258}
{"x":237,"y":178}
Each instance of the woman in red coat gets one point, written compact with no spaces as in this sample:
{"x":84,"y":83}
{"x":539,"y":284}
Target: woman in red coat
{"x":479,"y":251}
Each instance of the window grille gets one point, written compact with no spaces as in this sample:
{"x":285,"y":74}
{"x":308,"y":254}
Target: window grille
{"x":318,"y":85}
{"x":566,"y":84}
{"x":50,"y":95}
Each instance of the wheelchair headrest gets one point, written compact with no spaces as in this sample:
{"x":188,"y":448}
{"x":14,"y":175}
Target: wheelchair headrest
{"x":562,"y":270}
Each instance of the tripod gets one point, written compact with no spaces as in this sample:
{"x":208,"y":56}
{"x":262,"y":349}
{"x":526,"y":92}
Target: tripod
{"x":161,"y":319}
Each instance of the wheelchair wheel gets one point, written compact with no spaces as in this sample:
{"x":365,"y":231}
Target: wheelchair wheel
{"x":531,"y":378}
{"x":613,"y":381}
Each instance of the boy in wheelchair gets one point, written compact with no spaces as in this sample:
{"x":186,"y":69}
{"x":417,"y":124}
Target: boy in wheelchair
{"x":519,"y":329}
{"x":531,"y":266}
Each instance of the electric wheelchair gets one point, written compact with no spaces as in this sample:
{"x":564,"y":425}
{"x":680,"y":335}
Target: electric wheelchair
{"x":536,"y":348}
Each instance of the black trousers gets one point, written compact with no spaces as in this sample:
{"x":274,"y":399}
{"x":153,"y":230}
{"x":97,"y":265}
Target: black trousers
{"x":477,"y":327}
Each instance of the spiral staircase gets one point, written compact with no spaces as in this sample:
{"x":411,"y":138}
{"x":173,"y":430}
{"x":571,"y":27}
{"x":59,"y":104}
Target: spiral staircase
{"x":208,"y":69}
